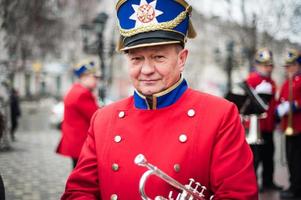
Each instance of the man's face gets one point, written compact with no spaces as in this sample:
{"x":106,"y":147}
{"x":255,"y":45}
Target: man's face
{"x":292,"y":69}
{"x":154,"y":69}
{"x":89,"y":80}
{"x":265,"y":69}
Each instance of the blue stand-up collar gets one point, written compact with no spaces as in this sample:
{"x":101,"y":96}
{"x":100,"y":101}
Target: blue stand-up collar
{"x":162,"y":99}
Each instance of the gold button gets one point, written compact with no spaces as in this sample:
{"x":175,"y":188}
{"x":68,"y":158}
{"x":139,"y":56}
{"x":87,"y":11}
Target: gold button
{"x":183,"y":138}
{"x":176,"y":167}
{"x":117,"y":138}
{"x":121,"y":114}
{"x":115,"y":167}
{"x":190,"y":112}
{"x":114,"y":197}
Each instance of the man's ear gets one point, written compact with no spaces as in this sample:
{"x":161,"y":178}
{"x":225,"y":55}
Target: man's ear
{"x":182,"y":57}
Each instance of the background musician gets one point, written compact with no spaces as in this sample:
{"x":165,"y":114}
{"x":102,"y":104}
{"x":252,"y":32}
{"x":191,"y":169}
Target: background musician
{"x":184,"y":132}
{"x":289,"y":111}
{"x":79,"y":105}
{"x":262,"y":82}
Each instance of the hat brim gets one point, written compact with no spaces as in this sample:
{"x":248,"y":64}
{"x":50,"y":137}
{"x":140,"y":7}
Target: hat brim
{"x":149,"y":45}
{"x":153,"y":38}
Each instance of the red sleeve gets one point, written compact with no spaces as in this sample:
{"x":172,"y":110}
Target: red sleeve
{"x":87,"y":104}
{"x":82,"y":183}
{"x":233,"y":176}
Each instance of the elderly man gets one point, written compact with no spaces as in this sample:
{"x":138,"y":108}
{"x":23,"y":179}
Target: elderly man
{"x":185,"y":133}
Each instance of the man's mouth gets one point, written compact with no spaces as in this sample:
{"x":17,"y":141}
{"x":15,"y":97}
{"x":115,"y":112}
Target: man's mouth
{"x":150,"y":81}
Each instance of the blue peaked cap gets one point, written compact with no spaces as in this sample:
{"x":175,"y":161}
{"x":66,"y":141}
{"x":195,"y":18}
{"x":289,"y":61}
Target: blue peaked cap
{"x":85,"y":68}
{"x":153,"y":22}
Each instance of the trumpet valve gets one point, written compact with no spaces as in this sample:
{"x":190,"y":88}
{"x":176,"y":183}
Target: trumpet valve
{"x":201,"y":194}
{"x":191,"y":180}
{"x":196,"y":187}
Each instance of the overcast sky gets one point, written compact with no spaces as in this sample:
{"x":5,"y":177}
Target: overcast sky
{"x":273,"y":15}
{"x":267,"y":12}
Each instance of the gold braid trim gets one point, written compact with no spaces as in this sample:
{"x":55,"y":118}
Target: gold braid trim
{"x":153,"y":27}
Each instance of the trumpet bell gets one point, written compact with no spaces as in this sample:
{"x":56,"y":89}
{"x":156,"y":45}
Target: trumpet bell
{"x":253,"y":136}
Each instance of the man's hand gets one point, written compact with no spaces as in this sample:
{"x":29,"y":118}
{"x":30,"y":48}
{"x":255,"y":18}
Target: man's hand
{"x":283,"y":108}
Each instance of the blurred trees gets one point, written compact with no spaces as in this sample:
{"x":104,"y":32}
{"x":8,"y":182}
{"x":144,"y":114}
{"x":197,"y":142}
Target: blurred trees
{"x":36,"y":29}
{"x":295,"y":22}
{"x":31,"y":28}
{"x":271,"y":19}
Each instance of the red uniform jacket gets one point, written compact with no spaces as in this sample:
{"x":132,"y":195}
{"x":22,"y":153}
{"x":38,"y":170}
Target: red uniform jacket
{"x":284,"y":96}
{"x":79,"y":106}
{"x":267,"y":124}
{"x":214,"y":152}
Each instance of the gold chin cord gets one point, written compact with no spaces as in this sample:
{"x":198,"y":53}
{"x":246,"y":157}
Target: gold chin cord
{"x":289,"y":131}
{"x":187,"y":191}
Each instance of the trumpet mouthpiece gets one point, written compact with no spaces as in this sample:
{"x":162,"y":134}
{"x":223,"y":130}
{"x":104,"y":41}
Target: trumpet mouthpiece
{"x":140,"y":160}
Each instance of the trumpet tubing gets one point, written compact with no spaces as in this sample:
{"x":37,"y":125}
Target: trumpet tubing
{"x":188,"y":191}
{"x":289,"y":129}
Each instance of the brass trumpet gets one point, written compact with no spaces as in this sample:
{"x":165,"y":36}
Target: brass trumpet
{"x":253,"y":133}
{"x":289,"y":131}
{"x":188,"y":192}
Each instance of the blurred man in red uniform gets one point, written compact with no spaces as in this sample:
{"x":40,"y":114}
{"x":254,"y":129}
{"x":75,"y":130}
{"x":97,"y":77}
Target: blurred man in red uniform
{"x":289,"y":111}
{"x":79,"y":106}
{"x":184,"y":132}
{"x":262,"y":82}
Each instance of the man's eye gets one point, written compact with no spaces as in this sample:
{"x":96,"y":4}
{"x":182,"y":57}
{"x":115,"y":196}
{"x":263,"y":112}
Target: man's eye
{"x":135,"y":58}
{"x":159,"y":58}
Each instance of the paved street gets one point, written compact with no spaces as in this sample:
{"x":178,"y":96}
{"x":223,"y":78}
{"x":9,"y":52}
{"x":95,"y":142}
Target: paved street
{"x":33,"y":171}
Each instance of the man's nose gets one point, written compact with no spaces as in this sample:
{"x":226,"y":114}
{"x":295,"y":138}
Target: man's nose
{"x":147,"y":67}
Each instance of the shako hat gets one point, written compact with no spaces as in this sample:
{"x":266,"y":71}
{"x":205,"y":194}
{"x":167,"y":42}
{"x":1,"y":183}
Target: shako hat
{"x":292,"y":56}
{"x":264,"y":56}
{"x":145,"y":23}
{"x":85,"y":67}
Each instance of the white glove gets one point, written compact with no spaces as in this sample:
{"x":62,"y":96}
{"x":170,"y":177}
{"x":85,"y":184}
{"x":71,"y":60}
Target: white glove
{"x":283,"y":108}
{"x":264,"y":88}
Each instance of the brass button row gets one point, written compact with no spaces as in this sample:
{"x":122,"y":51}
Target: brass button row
{"x":115,"y":167}
{"x":190,"y":113}
{"x":182,"y":138}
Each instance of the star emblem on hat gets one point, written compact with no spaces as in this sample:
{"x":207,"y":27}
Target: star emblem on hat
{"x":264,"y":55}
{"x":145,"y":13}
